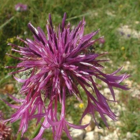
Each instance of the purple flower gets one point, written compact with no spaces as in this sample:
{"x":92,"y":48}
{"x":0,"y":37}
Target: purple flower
{"x":1,"y":115}
{"x":102,"y":41}
{"x":5,"y":130}
{"x":122,"y":33}
{"x":21,"y":7}
{"x":128,"y":35}
{"x":58,"y":63}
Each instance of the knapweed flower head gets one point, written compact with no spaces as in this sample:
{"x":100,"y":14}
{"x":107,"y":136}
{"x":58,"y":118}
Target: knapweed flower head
{"x":5,"y":131}
{"x":1,"y":115}
{"x":58,"y":63}
{"x":21,"y":7}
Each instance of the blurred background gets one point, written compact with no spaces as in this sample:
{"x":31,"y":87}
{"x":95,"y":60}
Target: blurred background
{"x":119,"y":23}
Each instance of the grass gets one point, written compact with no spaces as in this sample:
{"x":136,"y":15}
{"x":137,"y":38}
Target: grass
{"x":131,"y":115}
{"x":107,"y":16}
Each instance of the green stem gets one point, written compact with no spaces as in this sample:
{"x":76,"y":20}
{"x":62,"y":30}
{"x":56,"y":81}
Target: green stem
{"x":2,"y":81}
{"x":19,"y":136}
{"x":83,"y":15}
{"x":36,"y":131}
{"x":8,"y":21}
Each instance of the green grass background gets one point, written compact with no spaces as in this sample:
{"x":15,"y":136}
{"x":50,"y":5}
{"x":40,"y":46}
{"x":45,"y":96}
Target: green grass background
{"x":124,"y":12}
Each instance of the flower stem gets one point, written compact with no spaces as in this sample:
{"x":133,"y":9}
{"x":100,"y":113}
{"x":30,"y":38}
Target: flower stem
{"x":36,"y":131}
{"x":83,"y":15}
{"x":19,"y":136}
{"x":2,"y":81}
{"x":8,"y":21}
